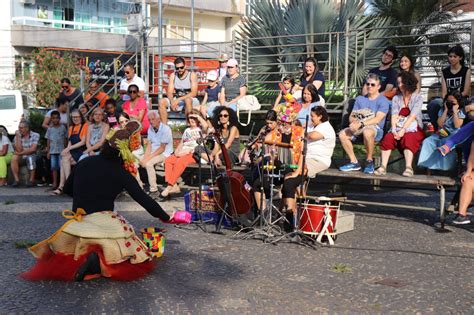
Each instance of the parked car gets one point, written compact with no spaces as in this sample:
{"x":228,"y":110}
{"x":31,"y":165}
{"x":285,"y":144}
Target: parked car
{"x":13,"y":107}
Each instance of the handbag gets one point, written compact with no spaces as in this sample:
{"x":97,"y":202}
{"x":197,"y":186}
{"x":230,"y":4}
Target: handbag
{"x":247,"y":103}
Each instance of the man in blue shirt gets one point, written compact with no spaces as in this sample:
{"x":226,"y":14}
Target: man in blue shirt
{"x":159,"y":146}
{"x":366,"y":120}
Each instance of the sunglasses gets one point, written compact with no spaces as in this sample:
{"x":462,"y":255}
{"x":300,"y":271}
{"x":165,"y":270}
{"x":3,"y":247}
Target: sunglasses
{"x":371,"y":84}
{"x":133,"y":92}
{"x":230,"y":67}
{"x":65,"y":86}
{"x":224,"y":115}
{"x":179,"y":68}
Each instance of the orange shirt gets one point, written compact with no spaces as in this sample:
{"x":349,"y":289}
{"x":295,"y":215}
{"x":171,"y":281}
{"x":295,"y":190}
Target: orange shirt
{"x":101,"y":96}
{"x":73,"y":130}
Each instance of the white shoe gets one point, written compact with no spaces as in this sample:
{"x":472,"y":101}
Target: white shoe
{"x":204,"y":162}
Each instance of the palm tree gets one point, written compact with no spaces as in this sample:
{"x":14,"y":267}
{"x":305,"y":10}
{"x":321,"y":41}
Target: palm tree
{"x":278,"y":36}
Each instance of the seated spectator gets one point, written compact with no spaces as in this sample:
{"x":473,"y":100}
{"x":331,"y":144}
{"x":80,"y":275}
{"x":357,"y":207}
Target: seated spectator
{"x":407,"y":63}
{"x":312,"y":75}
{"x":450,"y":120}
{"x":73,"y":95}
{"x":159,"y":145}
{"x":96,"y":132}
{"x":321,"y":143}
{"x":407,"y":133}
{"x":181,"y":92}
{"x":177,"y":162}
{"x":310,"y":100}
{"x":367,"y":119}
{"x":137,"y":108}
{"x":222,"y":70}
{"x":467,"y":190}
{"x":464,"y":136}
{"x":211,"y":94}
{"x":95,"y":92}
{"x":455,"y":77}
{"x":291,"y":89}
{"x":385,"y":72}
{"x":84,"y":110}
{"x":61,"y":107}
{"x":131,"y":78}
{"x":225,"y":121}
{"x":233,"y":86}
{"x":112,"y":116}
{"x":6,"y":153}
{"x":25,"y":144}
{"x":77,"y":135}
{"x":56,"y":136}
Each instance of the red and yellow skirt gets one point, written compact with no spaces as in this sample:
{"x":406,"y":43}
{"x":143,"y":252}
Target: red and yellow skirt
{"x":123,"y":255}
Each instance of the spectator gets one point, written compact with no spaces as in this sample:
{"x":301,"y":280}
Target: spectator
{"x":464,"y":136}
{"x":62,"y":104}
{"x":222,"y":70}
{"x":137,"y":108}
{"x":407,"y":124}
{"x":385,"y":72}
{"x":56,"y":136}
{"x":112,"y":116}
{"x":467,"y":190}
{"x":96,"y":132}
{"x":234,"y":86}
{"x":131,"y":78}
{"x":177,"y":162}
{"x":211,"y":94}
{"x":6,"y":153}
{"x":312,"y":75}
{"x":310,"y":100}
{"x":181,"y":92}
{"x":407,"y":63}
{"x":225,"y":121}
{"x":97,"y":94}
{"x":367,"y":119}
{"x":450,"y":119}
{"x":321,"y":143}
{"x":77,"y":135}
{"x":84,"y":110}
{"x":290,"y":87}
{"x":159,"y":146}
{"x":455,"y":77}
{"x":73,"y":95}
{"x":123,"y":119}
{"x":25,"y":144}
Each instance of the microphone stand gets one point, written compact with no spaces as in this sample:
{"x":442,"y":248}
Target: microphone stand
{"x":303,"y":156}
{"x":250,"y":137}
{"x":201,"y":142}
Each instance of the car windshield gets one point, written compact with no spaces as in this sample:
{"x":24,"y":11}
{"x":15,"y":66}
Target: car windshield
{"x":7,"y":102}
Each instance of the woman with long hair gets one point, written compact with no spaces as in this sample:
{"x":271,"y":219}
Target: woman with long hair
{"x":312,"y":75}
{"x":407,"y":63}
{"x":137,"y":108}
{"x":96,"y":133}
{"x":224,"y":120}
{"x":310,"y":99}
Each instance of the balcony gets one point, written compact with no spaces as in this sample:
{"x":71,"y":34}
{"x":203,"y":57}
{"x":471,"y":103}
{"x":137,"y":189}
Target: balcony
{"x":35,"y":32}
{"x":221,"y":7}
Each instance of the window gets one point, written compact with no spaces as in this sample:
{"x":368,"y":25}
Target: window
{"x":82,"y":18}
{"x":176,"y":29}
{"x":104,"y":21}
{"x":120,"y":26}
{"x":7,"y":102}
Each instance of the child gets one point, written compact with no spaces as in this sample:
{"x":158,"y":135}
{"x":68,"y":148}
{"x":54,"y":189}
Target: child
{"x":112,"y":115}
{"x":56,"y":136}
{"x":211,"y":96}
{"x":290,"y":89}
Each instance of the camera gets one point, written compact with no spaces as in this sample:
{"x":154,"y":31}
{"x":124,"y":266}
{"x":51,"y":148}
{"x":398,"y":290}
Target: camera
{"x":459,"y":98}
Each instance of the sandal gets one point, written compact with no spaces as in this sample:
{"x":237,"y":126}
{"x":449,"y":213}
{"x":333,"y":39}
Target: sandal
{"x":57,"y":192}
{"x":382,"y":170}
{"x":408,"y":172}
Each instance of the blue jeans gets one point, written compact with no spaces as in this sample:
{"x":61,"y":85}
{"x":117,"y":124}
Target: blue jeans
{"x":55,"y":161}
{"x":433,"y":109}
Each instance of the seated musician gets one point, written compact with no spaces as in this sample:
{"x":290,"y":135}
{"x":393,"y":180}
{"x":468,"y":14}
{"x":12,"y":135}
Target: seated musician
{"x":225,"y":121}
{"x":321,"y":143}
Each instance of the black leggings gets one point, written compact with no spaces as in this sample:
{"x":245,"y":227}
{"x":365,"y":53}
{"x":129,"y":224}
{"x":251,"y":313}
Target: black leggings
{"x":290,"y":185}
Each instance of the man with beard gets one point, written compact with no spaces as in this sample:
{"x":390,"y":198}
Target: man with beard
{"x":387,"y":75}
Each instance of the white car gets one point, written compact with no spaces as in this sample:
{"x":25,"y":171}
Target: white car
{"x":13,"y":107}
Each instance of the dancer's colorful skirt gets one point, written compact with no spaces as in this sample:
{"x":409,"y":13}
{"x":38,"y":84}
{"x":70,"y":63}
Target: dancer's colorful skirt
{"x":123,"y":256}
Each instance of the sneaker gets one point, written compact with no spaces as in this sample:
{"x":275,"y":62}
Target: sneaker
{"x":461,"y":219}
{"x":350,"y":167}
{"x":30,"y":185}
{"x":369,"y":167}
{"x":444,"y":150}
{"x":16,"y":184}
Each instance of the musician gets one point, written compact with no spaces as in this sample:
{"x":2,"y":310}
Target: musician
{"x":225,"y":121}
{"x":321,"y":142}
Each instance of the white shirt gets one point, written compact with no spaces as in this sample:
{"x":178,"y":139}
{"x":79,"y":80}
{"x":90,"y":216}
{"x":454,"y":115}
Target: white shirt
{"x":321,"y":150}
{"x":163,"y":135}
{"x":124,"y":84}
{"x":4,"y":140}
{"x":62,"y":119}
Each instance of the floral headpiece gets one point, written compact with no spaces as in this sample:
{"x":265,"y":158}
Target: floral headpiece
{"x":287,"y":112}
{"x":126,"y":140}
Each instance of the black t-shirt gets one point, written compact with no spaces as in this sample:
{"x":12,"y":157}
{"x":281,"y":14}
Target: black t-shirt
{"x":387,"y":76}
{"x":96,"y":181}
{"x":73,"y":101}
{"x":456,"y":81}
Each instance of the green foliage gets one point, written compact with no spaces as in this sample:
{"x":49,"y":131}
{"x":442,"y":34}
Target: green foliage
{"x":43,"y":84}
{"x":340,"y":268}
{"x":36,"y":120}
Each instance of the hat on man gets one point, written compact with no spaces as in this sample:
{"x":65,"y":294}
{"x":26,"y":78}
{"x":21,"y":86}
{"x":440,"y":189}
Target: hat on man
{"x":223,"y":58}
{"x":232,"y":62}
{"x":212,"y":75}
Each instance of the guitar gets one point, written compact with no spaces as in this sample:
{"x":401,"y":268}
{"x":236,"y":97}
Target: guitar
{"x":234,"y":189}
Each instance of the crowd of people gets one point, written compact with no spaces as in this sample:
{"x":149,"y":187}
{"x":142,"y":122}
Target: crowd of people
{"x":388,"y":112}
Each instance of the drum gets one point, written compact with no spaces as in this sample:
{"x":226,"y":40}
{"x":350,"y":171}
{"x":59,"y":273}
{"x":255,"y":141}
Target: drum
{"x":312,"y":217}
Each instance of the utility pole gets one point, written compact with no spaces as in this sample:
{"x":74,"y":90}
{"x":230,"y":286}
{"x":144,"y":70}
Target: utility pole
{"x":192,"y":35}
{"x":144,"y":51}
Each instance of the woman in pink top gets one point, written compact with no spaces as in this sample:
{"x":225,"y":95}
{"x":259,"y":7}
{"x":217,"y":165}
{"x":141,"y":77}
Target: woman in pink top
{"x":137,"y":108}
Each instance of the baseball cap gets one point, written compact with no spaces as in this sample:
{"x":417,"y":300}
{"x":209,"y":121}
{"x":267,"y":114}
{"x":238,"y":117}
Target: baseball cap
{"x":232,"y":62}
{"x":212,"y":75}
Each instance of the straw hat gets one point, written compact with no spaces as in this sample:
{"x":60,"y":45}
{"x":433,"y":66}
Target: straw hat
{"x":223,"y":58}
{"x":100,"y":225}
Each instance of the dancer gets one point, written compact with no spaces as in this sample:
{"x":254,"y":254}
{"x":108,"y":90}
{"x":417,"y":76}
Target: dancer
{"x":97,"y":241}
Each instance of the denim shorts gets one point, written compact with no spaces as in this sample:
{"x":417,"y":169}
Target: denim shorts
{"x":29,"y":161}
{"x":55,"y":161}
{"x":181,"y":104}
